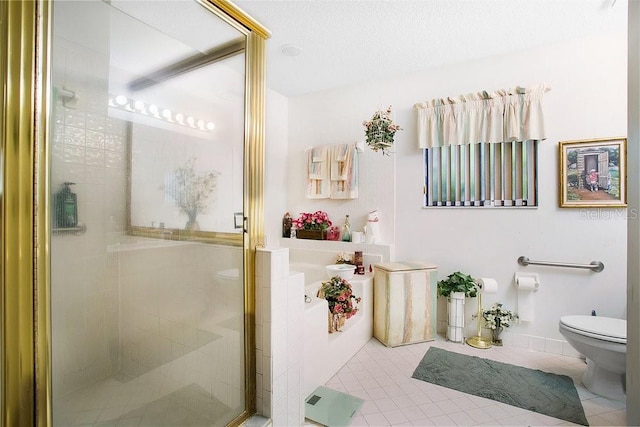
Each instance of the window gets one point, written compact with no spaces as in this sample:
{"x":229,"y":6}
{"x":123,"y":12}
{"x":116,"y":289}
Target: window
{"x":483,"y":174}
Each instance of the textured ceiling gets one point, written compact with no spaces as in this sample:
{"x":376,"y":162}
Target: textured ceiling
{"x":348,"y":41}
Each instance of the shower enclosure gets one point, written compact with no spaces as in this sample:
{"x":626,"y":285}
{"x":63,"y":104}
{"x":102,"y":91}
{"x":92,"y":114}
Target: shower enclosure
{"x":149,"y":164}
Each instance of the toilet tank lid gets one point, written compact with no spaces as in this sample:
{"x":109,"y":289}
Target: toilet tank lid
{"x":600,"y":325}
{"x":405,"y":266}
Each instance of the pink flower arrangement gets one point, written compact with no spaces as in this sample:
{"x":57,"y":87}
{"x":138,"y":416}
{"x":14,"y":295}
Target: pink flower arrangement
{"x":318,"y":220}
{"x":339,"y":295}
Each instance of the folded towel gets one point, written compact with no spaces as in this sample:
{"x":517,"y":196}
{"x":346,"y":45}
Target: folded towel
{"x":340,"y":152}
{"x":344,"y":172}
{"x":341,"y":162}
{"x":318,"y":167}
{"x":318,"y":184}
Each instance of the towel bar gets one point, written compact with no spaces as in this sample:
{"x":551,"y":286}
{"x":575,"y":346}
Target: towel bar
{"x":596,"y":266}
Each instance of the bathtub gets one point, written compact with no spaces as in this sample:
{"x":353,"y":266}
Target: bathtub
{"x":312,"y":272}
{"x":138,"y":243}
{"x":325,"y":353}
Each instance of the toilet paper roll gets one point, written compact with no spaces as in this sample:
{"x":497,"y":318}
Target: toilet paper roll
{"x":526,"y":287}
{"x":488,"y":285}
{"x":527,"y":283}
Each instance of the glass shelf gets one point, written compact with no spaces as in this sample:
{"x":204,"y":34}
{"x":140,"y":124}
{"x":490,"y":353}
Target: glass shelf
{"x":79,"y":229}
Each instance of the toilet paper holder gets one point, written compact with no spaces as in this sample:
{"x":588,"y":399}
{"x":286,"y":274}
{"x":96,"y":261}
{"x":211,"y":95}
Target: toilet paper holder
{"x":519,"y":275}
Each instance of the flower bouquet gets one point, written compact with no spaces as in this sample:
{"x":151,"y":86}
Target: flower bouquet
{"x":380,"y":130}
{"x":312,"y":225}
{"x":342,"y":302}
{"x":192,"y":192}
{"x":498,"y":318}
{"x":345,"y":258}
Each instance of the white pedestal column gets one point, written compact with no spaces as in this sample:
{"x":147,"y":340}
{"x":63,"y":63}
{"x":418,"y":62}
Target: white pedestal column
{"x":455,"y":316}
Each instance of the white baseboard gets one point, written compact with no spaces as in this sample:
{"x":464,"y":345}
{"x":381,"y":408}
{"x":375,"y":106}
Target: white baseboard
{"x":546,"y":345}
{"x":530,"y":342}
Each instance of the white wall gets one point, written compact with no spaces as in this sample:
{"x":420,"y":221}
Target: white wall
{"x":276,"y":165}
{"x":587,"y":100}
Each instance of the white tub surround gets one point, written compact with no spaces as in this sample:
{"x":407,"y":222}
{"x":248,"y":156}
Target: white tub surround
{"x":133,"y":243}
{"x":312,"y":272}
{"x":279,"y":339}
{"x":324,"y":252}
{"x":294,"y":350}
{"x":405,"y":302}
{"x":325,"y":353}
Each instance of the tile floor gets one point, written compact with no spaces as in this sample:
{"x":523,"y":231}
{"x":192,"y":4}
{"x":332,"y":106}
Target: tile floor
{"x":382,"y":377}
{"x":188,"y":390}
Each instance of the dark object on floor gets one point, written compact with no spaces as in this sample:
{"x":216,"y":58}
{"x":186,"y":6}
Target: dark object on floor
{"x":534,"y":390}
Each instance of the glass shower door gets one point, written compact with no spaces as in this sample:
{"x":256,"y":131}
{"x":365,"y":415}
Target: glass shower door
{"x":147,"y":146}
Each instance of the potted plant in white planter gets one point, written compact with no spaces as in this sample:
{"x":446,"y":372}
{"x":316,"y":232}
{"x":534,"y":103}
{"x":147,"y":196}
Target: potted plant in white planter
{"x":456,"y":287}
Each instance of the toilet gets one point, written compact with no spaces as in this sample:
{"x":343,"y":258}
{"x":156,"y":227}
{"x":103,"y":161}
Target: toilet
{"x":603,"y":342}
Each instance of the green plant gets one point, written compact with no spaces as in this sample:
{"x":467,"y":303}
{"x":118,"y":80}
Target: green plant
{"x":380,"y":130}
{"x":497,"y":317}
{"x":458,"y":282}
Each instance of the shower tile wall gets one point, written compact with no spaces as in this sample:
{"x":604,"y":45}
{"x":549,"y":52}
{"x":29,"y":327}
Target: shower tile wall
{"x":87,"y":148}
{"x":122,"y":313}
{"x":187,"y":326}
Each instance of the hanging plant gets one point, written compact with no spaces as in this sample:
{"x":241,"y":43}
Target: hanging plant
{"x":380,"y":131}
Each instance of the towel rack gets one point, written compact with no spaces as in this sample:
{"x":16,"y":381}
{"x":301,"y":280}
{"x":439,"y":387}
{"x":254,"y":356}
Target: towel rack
{"x":596,"y":266}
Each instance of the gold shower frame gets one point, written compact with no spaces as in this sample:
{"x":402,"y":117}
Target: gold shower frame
{"x":25,"y":340}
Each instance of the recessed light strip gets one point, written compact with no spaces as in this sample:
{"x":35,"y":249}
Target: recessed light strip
{"x":130,"y":105}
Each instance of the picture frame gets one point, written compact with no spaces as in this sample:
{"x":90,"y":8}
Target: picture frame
{"x":593,"y":173}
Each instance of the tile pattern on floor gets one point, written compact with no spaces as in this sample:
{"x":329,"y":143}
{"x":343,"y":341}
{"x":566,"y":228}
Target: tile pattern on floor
{"x":382,"y":377}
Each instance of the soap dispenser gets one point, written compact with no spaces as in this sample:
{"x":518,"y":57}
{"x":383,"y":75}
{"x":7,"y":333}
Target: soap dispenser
{"x":66,"y":207}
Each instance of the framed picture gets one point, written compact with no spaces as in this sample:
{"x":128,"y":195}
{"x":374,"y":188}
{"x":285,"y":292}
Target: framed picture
{"x":593,"y":173}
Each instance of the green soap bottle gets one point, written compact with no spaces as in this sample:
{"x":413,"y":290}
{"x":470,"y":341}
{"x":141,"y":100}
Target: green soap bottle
{"x":346,"y":230}
{"x":66,"y":207}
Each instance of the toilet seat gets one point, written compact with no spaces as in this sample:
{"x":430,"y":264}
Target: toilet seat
{"x":598,"y":327}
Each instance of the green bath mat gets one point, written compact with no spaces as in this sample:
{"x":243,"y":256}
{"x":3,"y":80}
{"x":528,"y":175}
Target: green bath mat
{"x":330,"y":407}
{"x":534,"y":390}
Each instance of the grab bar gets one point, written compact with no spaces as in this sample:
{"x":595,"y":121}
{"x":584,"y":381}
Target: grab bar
{"x":596,"y":266}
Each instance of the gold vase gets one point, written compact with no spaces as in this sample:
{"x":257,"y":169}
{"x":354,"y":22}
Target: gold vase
{"x":336,"y":322}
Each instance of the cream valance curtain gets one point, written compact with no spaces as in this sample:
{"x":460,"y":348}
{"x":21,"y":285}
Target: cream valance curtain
{"x":501,"y":116}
